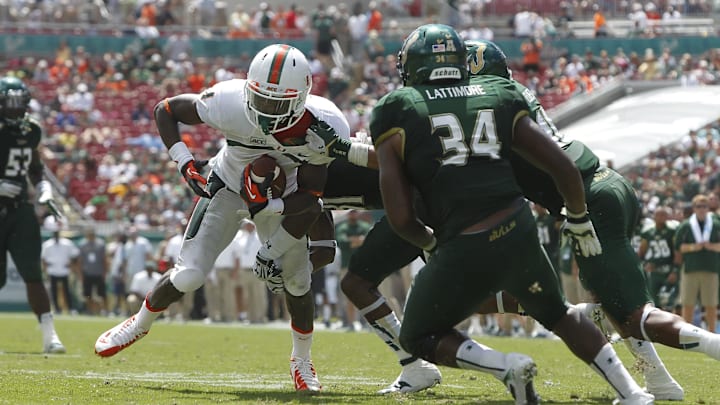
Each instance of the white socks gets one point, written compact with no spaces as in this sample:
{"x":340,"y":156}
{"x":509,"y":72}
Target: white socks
{"x":696,"y":339}
{"x":471,"y":355}
{"x":645,"y":351}
{"x":388,"y":329}
{"x":47,"y":326}
{"x":145,"y":317}
{"x":302,"y":342}
{"x":609,"y":367}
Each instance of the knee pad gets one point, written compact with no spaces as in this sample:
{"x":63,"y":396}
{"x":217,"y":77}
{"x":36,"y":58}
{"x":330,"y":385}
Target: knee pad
{"x":186,"y":279}
{"x":297,"y":288}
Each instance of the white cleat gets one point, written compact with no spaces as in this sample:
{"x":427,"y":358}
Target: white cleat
{"x":304,"y":376}
{"x":54,"y":347}
{"x":414,"y":377}
{"x":519,"y":379}
{"x":119,"y":337}
{"x":669,"y":391}
{"x":638,"y":398}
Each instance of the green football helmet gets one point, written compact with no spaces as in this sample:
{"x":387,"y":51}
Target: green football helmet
{"x":432,"y":52}
{"x":486,"y":58}
{"x":14,"y":99}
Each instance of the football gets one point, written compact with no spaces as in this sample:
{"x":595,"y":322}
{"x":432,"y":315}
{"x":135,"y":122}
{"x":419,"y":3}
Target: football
{"x":267,"y":166}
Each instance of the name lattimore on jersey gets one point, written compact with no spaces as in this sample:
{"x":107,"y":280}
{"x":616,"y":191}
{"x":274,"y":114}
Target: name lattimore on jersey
{"x":455,"y":91}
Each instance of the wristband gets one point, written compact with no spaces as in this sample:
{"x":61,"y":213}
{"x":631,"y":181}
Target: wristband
{"x":43,"y":187}
{"x":576,"y":216}
{"x":275,"y":205}
{"x":358,"y":154}
{"x":433,"y":242}
{"x":180,"y":153}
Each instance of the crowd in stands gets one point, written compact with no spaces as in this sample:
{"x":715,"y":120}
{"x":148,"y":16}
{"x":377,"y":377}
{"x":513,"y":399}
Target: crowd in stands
{"x":102,"y":146}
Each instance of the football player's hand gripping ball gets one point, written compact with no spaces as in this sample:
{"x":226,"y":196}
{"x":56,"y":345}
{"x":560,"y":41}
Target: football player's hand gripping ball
{"x":255,"y":195}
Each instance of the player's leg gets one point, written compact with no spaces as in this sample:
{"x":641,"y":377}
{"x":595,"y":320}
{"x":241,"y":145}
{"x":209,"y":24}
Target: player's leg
{"x":618,"y":282}
{"x":212,"y":226}
{"x":382,"y":253}
{"x":296,"y":277}
{"x":449,"y":289}
{"x":537,"y":289}
{"x":24,"y":248}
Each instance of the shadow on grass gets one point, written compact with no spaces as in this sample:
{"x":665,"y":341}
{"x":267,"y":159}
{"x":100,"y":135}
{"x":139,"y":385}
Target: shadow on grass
{"x":212,"y":394}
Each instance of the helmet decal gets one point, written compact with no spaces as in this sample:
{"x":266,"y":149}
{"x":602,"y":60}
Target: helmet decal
{"x":277,"y":64}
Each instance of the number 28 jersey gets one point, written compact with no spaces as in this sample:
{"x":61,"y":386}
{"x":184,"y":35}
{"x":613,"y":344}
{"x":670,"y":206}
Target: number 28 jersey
{"x":456,"y":141}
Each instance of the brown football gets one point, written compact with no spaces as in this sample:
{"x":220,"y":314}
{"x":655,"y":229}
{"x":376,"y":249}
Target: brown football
{"x":267,"y":166}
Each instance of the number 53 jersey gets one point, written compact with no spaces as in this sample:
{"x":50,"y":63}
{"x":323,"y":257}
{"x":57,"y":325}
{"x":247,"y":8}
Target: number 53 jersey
{"x":17,"y":143}
{"x":456,"y":143}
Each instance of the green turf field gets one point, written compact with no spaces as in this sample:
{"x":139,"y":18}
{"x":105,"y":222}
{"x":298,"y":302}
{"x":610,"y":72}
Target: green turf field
{"x":194,"y":363}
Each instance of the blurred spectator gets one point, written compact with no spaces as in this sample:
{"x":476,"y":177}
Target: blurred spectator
{"x":523,"y":22}
{"x":177,"y":45}
{"x":639,"y":20}
{"x":698,"y":241}
{"x":59,"y":257}
{"x":81,"y":100}
{"x":261,"y":20}
{"x":93,"y":269}
{"x":600,"y":27}
{"x":141,"y":284}
{"x":375,"y":17}
{"x":165,"y":15}
{"x":358,"y":27}
{"x":350,"y":235}
{"x":531,"y":49}
{"x":140,"y":113}
{"x":255,"y":293}
{"x":240,"y":24}
{"x":223,"y":284}
{"x":324,"y":27}
{"x":374,"y":46}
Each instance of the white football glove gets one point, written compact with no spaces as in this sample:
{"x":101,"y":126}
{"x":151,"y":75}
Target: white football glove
{"x":45,"y":197}
{"x":275,"y":284}
{"x":582,"y":233}
{"x":265,"y":269}
{"x":10,"y":189}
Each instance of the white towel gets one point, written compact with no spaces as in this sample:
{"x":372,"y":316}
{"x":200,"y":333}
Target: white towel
{"x":703,"y":236}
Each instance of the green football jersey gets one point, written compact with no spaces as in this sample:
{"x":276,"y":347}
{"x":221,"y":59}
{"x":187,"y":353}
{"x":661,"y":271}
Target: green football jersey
{"x":456,"y":142}
{"x":16,"y":148}
{"x":660,"y":247}
{"x":537,"y":185}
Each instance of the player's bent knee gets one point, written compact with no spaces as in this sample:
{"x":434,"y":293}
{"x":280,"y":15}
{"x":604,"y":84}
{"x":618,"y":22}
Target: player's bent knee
{"x":187,"y":279}
{"x":420,"y":346}
{"x":297,"y":289}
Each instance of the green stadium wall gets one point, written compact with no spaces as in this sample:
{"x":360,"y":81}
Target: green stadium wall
{"x":39,"y":45}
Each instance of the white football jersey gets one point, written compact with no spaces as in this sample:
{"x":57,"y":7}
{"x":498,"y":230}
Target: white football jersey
{"x":223,"y":108}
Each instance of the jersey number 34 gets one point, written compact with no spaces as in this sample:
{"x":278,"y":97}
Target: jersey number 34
{"x":483,"y":142}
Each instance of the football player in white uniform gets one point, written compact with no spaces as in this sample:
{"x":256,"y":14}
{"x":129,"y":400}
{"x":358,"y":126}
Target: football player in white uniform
{"x":269,"y":113}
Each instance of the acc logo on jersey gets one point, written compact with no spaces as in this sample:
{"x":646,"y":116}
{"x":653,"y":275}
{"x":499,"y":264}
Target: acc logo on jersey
{"x":478,"y":62}
{"x":258,"y":141}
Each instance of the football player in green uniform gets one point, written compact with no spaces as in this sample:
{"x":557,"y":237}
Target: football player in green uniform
{"x":19,"y":227}
{"x":615,"y":277}
{"x":658,"y":254}
{"x":448,"y":138}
